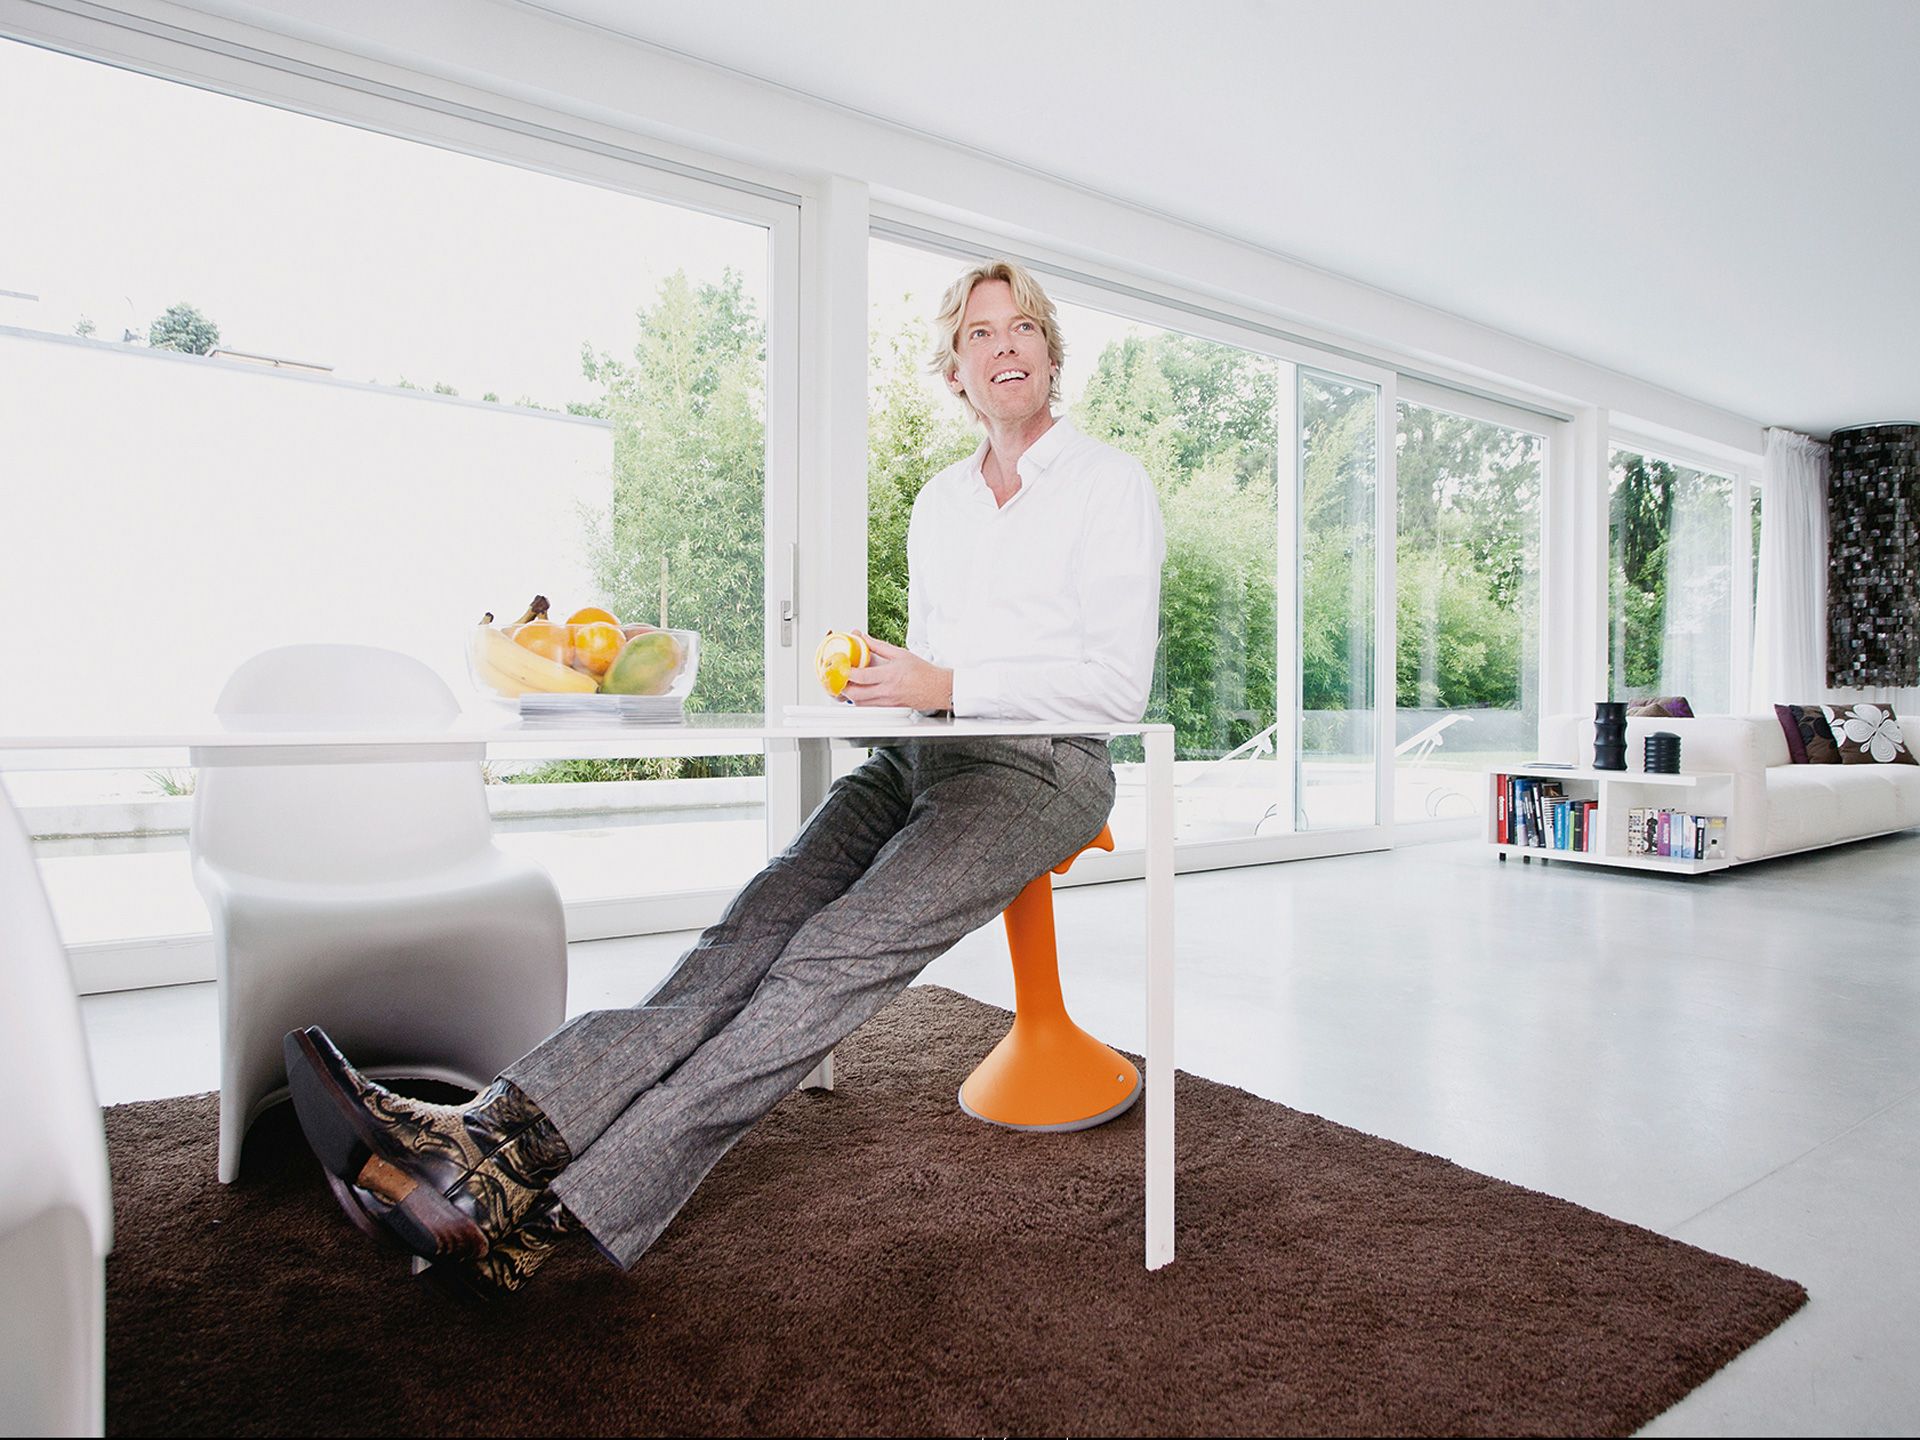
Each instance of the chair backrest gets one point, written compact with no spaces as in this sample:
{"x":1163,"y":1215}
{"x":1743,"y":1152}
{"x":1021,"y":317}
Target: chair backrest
{"x":56,"y":1211}
{"x":338,"y":823}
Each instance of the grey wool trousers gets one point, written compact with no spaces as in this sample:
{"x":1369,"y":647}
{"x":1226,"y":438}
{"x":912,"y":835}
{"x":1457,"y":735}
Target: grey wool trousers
{"x":920,"y":845}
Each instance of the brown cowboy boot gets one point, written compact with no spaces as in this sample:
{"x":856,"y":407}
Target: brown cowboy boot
{"x":511,"y":1259}
{"x":445,"y":1181}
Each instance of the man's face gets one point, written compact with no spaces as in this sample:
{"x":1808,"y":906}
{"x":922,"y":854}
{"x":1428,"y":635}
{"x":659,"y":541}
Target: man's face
{"x":1003,"y":367}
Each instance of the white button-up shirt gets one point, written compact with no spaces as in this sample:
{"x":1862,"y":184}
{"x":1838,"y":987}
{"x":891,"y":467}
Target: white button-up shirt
{"x":1047,"y":607}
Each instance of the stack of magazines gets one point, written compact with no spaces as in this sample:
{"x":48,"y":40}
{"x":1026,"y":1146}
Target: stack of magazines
{"x":604,"y":709}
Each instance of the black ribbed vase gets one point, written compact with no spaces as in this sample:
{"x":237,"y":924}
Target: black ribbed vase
{"x":1610,"y":735}
{"x":1663,"y":753}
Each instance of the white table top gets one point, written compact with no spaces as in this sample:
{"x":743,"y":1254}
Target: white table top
{"x":495,"y":729}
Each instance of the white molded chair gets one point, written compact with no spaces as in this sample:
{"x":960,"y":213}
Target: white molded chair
{"x":368,"y":899}
{"x":56,"y":1212}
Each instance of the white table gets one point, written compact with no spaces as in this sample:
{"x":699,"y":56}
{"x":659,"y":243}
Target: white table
{"x":206,"y":741}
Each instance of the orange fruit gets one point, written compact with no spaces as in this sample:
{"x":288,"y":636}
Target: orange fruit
{"x":596,"y":646}
{"x":839,"y":653}
{"x":591,"y":615}
{"x":544,"y":637}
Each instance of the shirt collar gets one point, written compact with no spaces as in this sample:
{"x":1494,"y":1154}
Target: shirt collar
{"x":1047,"y":449}
{"x":1039,"y":456}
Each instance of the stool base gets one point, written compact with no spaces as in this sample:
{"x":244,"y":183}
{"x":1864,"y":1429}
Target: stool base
{"x":1087,"y":1124}
{"x":1049,"y":1074}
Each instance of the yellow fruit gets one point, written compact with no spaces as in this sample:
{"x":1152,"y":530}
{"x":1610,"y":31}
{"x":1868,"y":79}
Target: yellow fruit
{"x":596,"y":646}
{"x":544,"y":638}
{"x":593,"y":614}
{"x":513,"y":669}
{"x":838,"y":654}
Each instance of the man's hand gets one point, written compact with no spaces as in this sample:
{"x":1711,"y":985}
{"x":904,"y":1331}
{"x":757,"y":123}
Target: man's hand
{"x":894,"y":676}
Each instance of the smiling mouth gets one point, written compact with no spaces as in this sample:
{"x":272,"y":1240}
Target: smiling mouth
{"x":1005,"y":376}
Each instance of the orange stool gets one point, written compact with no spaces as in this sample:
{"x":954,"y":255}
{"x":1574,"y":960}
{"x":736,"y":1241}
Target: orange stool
{"x":1047,"y":1073}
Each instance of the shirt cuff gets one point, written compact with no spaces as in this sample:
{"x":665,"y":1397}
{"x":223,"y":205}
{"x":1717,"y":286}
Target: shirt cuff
{"x":976,"y":691}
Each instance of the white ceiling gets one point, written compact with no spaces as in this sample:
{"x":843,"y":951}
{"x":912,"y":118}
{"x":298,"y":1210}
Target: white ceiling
{"x":1721,"y":197}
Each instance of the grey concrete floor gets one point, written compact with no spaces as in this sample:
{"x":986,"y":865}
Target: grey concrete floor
{"x":1733,"y":1061}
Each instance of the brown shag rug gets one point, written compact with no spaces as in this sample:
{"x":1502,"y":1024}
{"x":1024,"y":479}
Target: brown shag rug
{"x":872,"y":1261}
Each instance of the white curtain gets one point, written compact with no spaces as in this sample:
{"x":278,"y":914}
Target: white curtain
{"x":1790,"y":614}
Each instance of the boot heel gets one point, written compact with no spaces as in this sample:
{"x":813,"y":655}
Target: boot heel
{"x":329,"y":1124}
{"x":432,"y":1227}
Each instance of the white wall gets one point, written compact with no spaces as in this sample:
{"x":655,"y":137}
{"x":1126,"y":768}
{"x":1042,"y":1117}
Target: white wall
{"x":166,"y":516}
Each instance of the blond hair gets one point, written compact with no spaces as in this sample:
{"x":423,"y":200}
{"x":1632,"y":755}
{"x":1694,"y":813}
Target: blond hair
{"x":1032,"y":302}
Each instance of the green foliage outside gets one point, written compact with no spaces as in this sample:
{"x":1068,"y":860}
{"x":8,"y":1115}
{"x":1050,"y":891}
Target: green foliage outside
{"x":909,"y":440}
{"x":1337,"y":468}
{"x":1469,"y":527}
{"x":689,"y":480}
{"x":1641,"y":523}
{"x":661,"y":767}
{"x":1669,"y":583}
{"x":1200,"y":418}
{"x":185,"y":329}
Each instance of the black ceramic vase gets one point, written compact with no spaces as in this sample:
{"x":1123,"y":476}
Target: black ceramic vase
{"x":1610,"y":735}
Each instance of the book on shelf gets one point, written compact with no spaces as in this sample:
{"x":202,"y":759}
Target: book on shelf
{"x":1675,"y":835}
{"x":1539,"y":814}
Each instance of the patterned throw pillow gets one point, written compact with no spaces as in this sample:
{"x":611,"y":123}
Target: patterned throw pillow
{"x":1664,"y":707}
{"x":1868,"y":734}
{"x":1809,"y":738}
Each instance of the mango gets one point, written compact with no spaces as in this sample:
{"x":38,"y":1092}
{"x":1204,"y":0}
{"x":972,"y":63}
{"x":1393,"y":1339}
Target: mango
{"x":646,"y":665}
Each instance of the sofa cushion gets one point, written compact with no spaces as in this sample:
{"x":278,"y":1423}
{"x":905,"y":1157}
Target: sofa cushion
{"x":1662,"y":707}
{"x":1809,"y":737}
{"x":1809,"y":805}
{"x":1869,"y":734}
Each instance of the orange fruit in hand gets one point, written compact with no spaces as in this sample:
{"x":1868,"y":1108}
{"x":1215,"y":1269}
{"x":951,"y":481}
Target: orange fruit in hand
{"x":839,"y":653}
{"x":596,"y":646}
{"x":544,"y":637}
{"x":591,"y":615}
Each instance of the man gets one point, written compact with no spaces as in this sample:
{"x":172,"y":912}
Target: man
{"x":1033,"y":592}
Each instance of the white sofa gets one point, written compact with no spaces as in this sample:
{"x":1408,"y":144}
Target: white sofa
{"x":1780,"y":807}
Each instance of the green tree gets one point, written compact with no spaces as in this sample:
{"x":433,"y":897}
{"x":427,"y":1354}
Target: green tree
{"x":689,"y":472}
{"x":1469,"y":508}
{"x":1337,"y":479}
{"x":1641,"y":522}
{"x":910,"y":439}
{"x":185,"y":329}
{"x":1200,"y":416}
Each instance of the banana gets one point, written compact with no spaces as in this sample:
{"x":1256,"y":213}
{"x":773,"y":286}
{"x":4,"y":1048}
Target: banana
{"x":514,"y":669}
{"x":536,"y":610}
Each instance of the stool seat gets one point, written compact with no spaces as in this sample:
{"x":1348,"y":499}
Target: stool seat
{"x":1047,"y":1073}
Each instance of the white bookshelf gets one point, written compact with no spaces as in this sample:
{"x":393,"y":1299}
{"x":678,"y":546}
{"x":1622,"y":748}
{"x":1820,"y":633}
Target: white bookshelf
{"x":1618,"y":793}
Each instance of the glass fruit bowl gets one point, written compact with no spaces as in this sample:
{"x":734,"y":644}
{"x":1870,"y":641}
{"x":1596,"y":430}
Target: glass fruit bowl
{"x":543,"y":657}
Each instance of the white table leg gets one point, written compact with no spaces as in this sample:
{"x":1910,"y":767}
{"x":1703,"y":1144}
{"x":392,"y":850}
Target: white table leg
{"x":1159,"y":1077}
{"x":816,"y":775}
